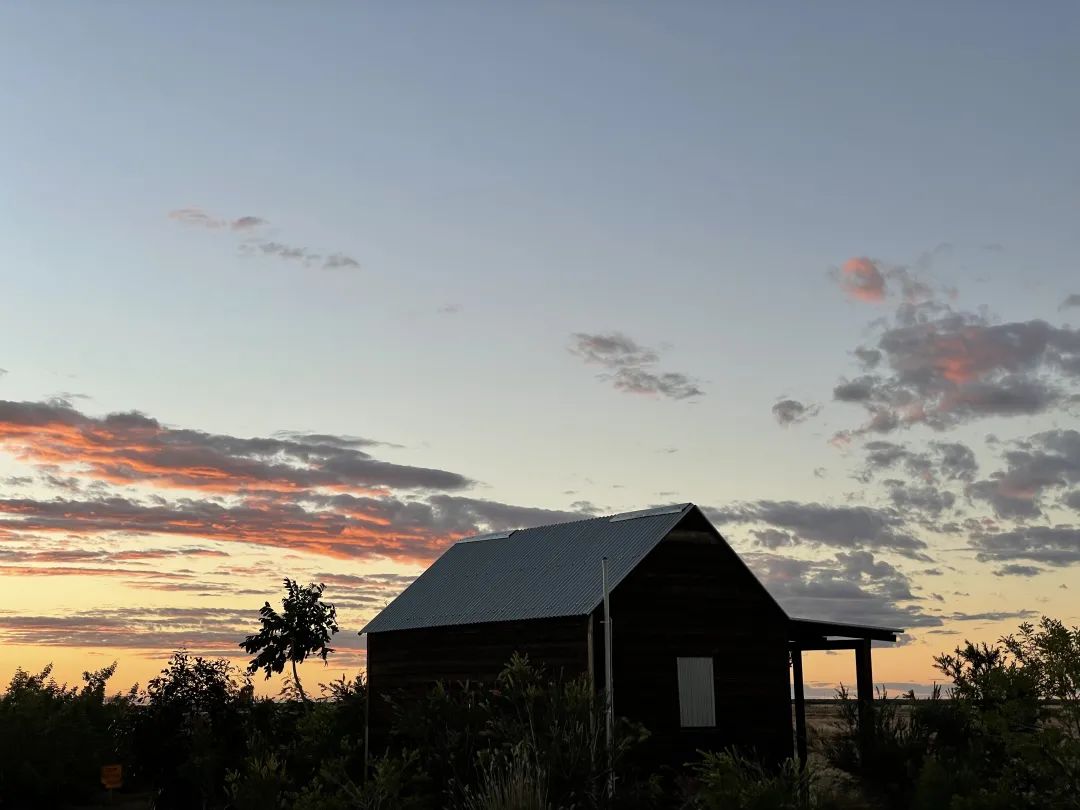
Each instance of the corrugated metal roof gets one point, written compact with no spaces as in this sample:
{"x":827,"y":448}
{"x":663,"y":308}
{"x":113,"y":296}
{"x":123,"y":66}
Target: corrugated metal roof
{"x":529,"y":573}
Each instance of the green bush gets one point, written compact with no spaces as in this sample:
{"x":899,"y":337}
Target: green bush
{"x":1007,"y":735}
{"x":54,"y":738}
{"x":467,"y":732}
{"x":729,"y":781}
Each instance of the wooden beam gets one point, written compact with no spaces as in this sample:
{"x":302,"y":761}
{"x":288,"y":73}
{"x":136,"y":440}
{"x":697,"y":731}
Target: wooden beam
{"x":799,"y":629}
{"x":828,"y":644}
{"x":800,"y":706}
{"x":864,"y":684}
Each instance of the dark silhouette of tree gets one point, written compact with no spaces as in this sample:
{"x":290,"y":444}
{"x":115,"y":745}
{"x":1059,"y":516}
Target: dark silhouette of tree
{"x":304,"y":626}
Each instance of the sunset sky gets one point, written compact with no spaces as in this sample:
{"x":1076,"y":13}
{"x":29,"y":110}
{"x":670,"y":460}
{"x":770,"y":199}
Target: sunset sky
{"x":313,"y":291}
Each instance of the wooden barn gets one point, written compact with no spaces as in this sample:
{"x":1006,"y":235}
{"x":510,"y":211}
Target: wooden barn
{"x":701,"y":653}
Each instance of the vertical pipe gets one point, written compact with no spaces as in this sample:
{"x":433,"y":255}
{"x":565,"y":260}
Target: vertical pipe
{"x":609,"y":696}
{"x":590,"y":653}
{"x":367,"y":716}
{"x":800,"y":705}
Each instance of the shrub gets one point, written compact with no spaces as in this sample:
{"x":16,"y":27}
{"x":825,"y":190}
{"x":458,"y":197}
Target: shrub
{"x":730,"y":781}
{"x":54,"y":738}
{"x":190,"y":730}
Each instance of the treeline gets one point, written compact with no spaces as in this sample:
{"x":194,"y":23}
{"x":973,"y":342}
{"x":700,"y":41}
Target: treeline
{"x":1007,"y":736}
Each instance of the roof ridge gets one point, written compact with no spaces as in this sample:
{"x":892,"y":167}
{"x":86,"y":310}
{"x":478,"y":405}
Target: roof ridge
{"x":617,"y":516}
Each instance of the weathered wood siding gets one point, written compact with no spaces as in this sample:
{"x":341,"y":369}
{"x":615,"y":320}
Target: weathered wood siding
{"x":408,"y":662}
{"x":693,"y":596}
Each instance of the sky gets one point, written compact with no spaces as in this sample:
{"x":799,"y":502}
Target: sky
{"x":315,"y":292}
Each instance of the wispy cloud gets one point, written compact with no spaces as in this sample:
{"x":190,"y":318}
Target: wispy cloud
{"x":632,"y":367}
{"x":1046,"y":462}
{"x":131,"y":448}
{"x":261,"y":245}
{"x":199,"y":218}
{"x":1070,"y":301}
{"x":816,"y":524}
{"x":792,"y":412}
{"x":851,"y":586}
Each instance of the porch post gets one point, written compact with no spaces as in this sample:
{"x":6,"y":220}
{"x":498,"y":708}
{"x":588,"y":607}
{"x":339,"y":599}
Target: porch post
{"x":800,"y":705}
{"x":864,"y":684}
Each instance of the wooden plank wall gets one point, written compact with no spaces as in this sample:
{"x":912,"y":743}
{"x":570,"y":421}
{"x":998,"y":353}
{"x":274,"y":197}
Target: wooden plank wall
{"x":692,"y":596}
{"x":409,"y":662}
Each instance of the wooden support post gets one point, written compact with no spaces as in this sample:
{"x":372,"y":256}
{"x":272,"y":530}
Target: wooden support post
{"x":864,"y":684}
{"x":800,"y":705}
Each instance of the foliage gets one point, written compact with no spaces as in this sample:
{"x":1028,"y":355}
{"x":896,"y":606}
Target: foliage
{"x":395,"y":782}
{"x":1007,"y":736}
{"x":511,"y":780}
{"x":189,"y":730}
{"x":729,"y":781}
{"x":526,"y":724}
{"x":304,"y":627}
{"x":54,"y":738}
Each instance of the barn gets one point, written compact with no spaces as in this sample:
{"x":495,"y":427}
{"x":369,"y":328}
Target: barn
{"x":701,"y":653}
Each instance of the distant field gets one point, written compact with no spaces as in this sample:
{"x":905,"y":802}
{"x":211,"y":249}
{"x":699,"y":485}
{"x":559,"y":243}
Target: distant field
{"x":823,"y":720}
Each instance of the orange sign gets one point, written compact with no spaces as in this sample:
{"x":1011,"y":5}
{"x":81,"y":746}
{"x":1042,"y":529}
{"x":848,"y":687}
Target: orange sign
{"x":112,"y":776}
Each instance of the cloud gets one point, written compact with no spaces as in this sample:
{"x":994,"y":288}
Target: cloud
{"x":1072,"y":500}
{"x":847,"y":527}
{"x":772,"y":538}
{"x":289,"y":252}
{"x":102,"y":556}
{"x":948,"y":461}
{"x":1043,"y":462}
{"x":942,"y":368}
{"x":930,"y":501}
{"x":614,"y":350}
{"x":869,"y":358}
{"x":862,"y":279}
{"x":852,"y":587}
{"x":1016,"y":570}
{"x":631,"y":366}
{"x":132,"y":448}
{"x":1070,"y":301}
{"x":199,"y":218}
{"x":302,"y":255}
{"x":791,"y":411}
{"x":318,"y":493}
{"x":155,"y":630}
{"x":1048,"y":545}
{"x":338,"y":261}
{"x":265,"y":247}
{"x":341,"y":526}
{"x":992,"y":616}
{"x":247,"y":223}
{"x":670,"y":384}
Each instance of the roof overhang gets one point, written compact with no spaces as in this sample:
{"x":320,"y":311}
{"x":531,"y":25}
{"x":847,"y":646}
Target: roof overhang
{"x":835,"y":635}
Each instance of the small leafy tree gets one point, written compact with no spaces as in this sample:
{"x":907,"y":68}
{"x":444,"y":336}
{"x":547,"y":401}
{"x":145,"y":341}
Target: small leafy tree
{"x":189,"y":731}
{"x":304,"y":626}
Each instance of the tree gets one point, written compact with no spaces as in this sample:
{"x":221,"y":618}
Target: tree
{"x":189,"y":730}
{"x":304,"y":626}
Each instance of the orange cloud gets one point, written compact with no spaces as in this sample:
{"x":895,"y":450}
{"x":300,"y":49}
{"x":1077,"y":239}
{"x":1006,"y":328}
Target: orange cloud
{"x":131,"y":448}
{"x":862,"y":279}
{"x":315,"y":493}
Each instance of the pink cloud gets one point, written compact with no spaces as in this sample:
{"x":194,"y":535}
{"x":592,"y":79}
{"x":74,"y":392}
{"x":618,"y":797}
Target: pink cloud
{"x":862,"y":279}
